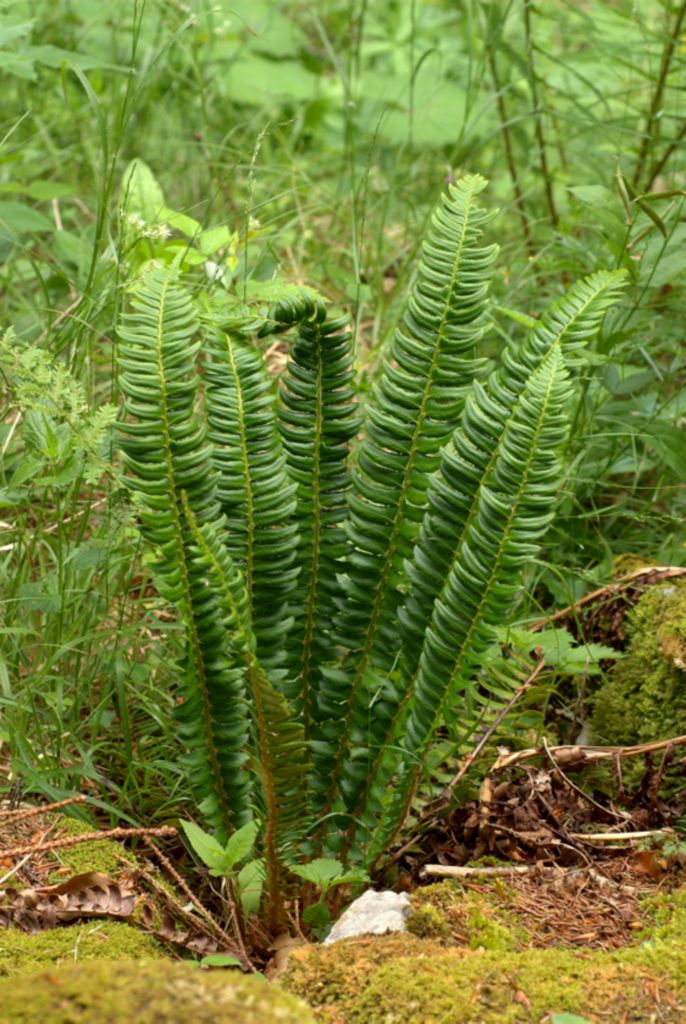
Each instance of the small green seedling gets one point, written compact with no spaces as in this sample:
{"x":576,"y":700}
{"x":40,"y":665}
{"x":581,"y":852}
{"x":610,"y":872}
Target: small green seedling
{"x":324,"y":873}
{"x":247,"y":883}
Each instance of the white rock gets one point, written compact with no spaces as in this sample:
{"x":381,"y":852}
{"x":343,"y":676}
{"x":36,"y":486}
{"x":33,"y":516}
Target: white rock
{"x":373,"y":913}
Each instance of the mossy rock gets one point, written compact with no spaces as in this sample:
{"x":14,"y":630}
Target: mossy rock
{"x":644,"y":698}
{"x":22,"y":952}
{"x":147,"y":993}
{"x":402,"y":979}
{"x":447,"y":912}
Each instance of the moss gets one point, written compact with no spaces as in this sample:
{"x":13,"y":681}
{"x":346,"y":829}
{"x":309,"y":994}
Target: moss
{"x":93,"y":940}
{"x":428,"y":922}
{"x":402,"y":979}
{"x":476,"y":918}
{"x":665,"y":914}
{"x":644,"y":698}
{"x":429,"y":984}
{"x":627,"y":563}
{"x":103,"y":855}
{"x":147,"y":993}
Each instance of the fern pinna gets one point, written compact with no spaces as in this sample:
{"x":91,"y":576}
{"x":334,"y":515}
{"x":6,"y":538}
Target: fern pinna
{"x":340,"y":570}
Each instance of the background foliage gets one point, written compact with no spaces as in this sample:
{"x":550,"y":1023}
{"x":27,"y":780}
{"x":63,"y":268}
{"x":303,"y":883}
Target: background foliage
{"x":308,"y":141}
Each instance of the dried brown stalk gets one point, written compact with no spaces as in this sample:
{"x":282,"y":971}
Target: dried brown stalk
{"x":165,"y":831}
{"x":572,"y":756}
{"x":22,"y":813}
{"x":453,"y":871}
{"x":653,"y":573}
{"x":183,"y":886}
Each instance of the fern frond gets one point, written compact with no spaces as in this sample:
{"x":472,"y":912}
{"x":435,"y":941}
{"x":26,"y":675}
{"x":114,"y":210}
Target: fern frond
{"x":169,"y":466}
{"x":414,"y":410}
{"x":569,"y":322}
{"x":318,"y":418}
{"x":253,"y":488}
{"x":467,"y":467}
{"x":279,"y":741}
{"x":512,"y":515}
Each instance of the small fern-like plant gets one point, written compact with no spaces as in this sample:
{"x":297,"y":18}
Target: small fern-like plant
{"x":340,"y":568}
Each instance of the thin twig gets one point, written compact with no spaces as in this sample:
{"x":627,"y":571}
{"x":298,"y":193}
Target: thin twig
{"x":578,"y":755}
{"x":17,"y":867}
{"x":619,"y":837}
{"x":652,"y":127}
{"x":502,"y":714}
{"x":453,"y":871}
{"x":507,"y":146}
{"x":183,"y":886}
{"x":610,"y":590}
{"x":659,"y":165}
{"x":430,"y":815}
{"x":538,"y":117}
{"x":573,"y":785}
{"x":13,"y":816}
{"x":165,"y":831}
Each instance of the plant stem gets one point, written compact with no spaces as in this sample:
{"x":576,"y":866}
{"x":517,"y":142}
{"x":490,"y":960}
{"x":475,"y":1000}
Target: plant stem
{"x":509,"y":152}
{"x":538,"y":119}
{"x":652,"y":127}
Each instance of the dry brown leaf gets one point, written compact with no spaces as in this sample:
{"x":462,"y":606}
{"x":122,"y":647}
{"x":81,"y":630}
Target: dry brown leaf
{"x":90,"y":894}
{"x":282,"y":946}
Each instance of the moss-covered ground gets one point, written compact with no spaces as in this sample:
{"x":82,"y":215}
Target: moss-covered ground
{"x":145,"y":993}
{"x":489,"y":974}
{"x":103,"y":855}
{"x":23,"y":952}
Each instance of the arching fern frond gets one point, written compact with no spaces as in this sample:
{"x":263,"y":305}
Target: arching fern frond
{"x":569,"y":322}
{"x":279,"y":752}
{"x":253,"y":487}
{"x":413,"y":412}
{"x":318,"y":418}
{"x":467,"y":468}
{"x":513,"y":513}
{"x":167,"y":458}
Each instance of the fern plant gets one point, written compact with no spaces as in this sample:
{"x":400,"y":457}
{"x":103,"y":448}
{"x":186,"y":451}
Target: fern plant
{"x":340,"y":569}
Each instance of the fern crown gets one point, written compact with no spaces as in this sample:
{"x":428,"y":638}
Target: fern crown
{"x":340,"y":567}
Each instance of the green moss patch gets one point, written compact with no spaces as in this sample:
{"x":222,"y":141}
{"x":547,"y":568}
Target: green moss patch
{"x":105,"y":855}
{"x":478,"y":919}
{"x":21,"y":952}
{"x":644,"y":698}
{"x":475,"y":978}
{"x":147,"y":993}
{"x":414,"y":981}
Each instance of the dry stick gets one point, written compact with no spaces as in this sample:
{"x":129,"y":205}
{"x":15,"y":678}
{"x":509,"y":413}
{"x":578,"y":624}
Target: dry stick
{"x":444,"y":799}
{"x":187,"y":891}
{"x":619,"y":837}
{"x":19,"y":815}
{"x":452,"y":871}
{"x":577,"y":755}
{"x":17,"y":867}
{"x":609,"y":590}
{"x":573,"y":785}
{"x":502,"y":714}
{"x":165,"y":831}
